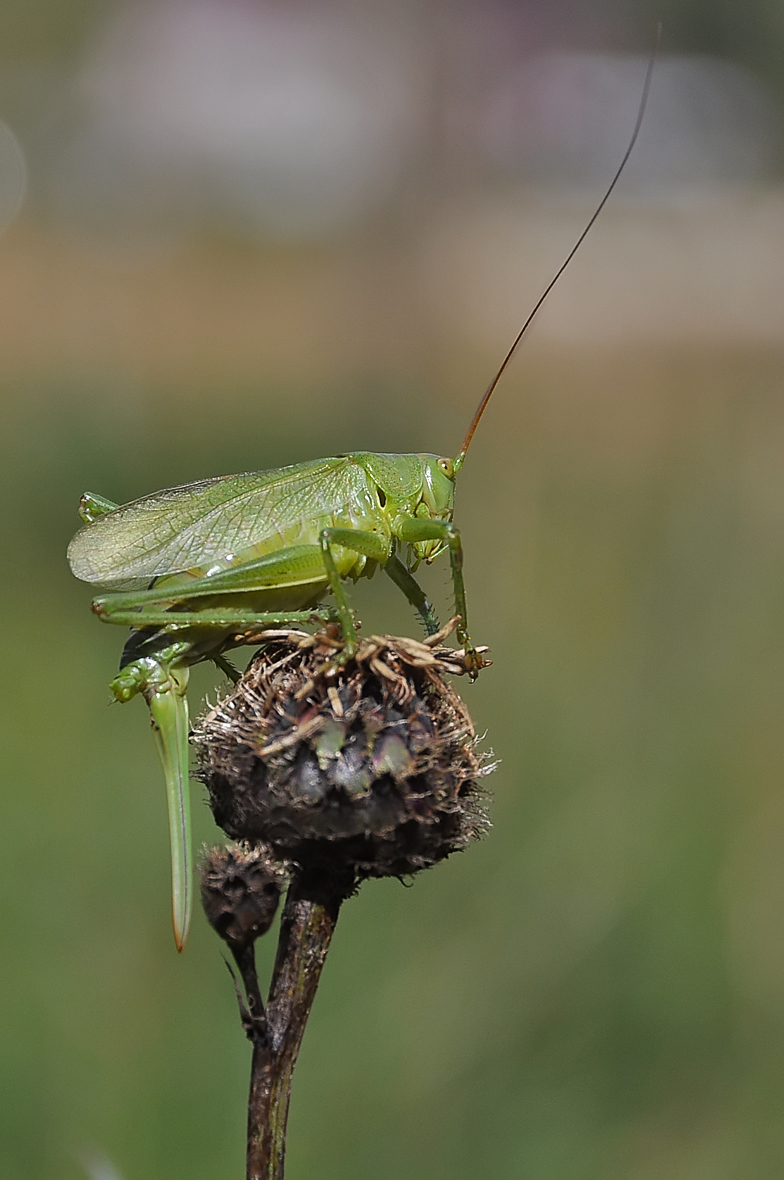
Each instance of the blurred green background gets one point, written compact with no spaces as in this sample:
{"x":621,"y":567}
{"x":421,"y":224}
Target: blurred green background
{"x":596,"y":991}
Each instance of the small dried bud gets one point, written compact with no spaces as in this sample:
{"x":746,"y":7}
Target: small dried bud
{"x":240,"y":891}
{"x":373,"y":771}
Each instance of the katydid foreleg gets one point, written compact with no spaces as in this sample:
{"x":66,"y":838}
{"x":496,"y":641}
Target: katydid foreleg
{"x":414,"y":529}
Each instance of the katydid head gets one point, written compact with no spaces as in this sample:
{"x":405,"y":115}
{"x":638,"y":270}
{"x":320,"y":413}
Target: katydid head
{"x":437,"y":500}
{"x":438,"y":487}
{"x":413,"y":485}
{"x":423,"y":484}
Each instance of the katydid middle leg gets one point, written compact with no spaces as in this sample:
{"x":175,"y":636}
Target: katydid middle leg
{"x":371,"y":545}
{"x":406,"y":582}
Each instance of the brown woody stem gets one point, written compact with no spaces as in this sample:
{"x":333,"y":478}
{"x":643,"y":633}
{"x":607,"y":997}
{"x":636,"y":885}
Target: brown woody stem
{"x":306,"y":929}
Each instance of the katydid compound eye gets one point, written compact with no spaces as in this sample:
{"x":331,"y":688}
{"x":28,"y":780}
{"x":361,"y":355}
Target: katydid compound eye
{"x":448,"y":468}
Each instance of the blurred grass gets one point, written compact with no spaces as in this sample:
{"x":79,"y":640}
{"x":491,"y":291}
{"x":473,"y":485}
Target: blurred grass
{"x":596,"y":990}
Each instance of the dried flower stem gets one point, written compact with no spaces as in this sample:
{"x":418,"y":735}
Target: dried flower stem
{"x":306,"y":929}
{"x":334,"y":776}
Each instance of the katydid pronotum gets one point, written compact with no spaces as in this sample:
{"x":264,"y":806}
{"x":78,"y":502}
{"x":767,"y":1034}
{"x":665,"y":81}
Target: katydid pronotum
{"x":199,"y":569}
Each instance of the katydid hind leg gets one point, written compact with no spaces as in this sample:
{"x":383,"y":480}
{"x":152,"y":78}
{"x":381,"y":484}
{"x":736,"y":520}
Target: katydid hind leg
{"x":294,"y":566}
{"x":406,"y":582}
{"x":221,"y":617}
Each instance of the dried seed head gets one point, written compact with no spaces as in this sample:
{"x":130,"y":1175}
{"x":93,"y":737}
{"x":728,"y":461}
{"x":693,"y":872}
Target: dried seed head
{"x":240,"y":891}
{"x":375,"y":771}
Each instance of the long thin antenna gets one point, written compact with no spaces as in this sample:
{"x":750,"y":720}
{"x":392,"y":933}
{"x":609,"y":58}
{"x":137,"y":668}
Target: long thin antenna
{"x":491,"y":387}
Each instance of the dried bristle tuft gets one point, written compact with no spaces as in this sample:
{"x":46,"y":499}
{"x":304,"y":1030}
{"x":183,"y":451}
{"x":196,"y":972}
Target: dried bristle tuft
{"x":240,"y":890}
{"x":374,"y":771}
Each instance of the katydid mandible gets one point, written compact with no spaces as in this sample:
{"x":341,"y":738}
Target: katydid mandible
{"x":199,"y":569}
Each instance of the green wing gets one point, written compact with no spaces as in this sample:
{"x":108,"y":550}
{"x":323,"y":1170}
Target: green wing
{"x":183,"y":528}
